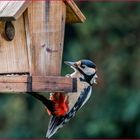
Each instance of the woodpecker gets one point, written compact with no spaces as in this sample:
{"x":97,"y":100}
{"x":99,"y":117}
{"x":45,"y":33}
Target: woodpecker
{"x":63,"y":106}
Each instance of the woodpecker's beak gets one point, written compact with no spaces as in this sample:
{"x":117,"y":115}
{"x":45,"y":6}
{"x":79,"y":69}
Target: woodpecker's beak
{"x":71,"y":64}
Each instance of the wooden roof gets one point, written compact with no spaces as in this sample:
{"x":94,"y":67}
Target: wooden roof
{"x":11,"y":10}
{"x":73,"y":13}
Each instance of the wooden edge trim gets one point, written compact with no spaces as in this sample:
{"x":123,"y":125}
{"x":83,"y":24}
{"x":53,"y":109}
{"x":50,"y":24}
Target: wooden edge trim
{"x":53,"y":84}
{"x":76,"y":11}
{"x":28,"y":83}
{"x":14,"y":78}
{"x":18,"y":13}
{"x":22,"y":9}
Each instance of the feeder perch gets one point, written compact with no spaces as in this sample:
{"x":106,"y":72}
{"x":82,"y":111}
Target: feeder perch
{"x":31,"y":45}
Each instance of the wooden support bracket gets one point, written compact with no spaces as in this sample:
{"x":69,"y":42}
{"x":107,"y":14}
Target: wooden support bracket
{"x":53,"y":83}
{"x":26,"y":83}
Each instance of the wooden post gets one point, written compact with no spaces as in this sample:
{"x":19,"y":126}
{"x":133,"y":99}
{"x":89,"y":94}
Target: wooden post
{"x":46,"y":25}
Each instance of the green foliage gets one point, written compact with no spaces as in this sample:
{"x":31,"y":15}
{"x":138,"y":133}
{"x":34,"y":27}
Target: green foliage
{"x":110,"y":37}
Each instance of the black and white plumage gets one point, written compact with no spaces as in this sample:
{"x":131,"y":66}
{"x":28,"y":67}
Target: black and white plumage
{"x":85,"y":72}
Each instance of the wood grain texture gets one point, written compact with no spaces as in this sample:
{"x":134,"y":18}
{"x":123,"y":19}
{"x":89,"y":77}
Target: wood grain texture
{"x":46,"y":25}
{"x":14,"y":83}
{"x":13,"y":54}
{"x":28,"y":41}
{"x":26,"y":83}
{"x":53,"y":84}
{"x":14,"y":79}
{"x":12,"y":10}
{"x":73,"y":13}
{"x":13,"y":87}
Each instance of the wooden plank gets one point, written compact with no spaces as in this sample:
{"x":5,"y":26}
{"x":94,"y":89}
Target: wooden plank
{"x":14,"y":83}
{"x":11,"y":10}
{"x":73,"y":13}
{"x":28,"y":41}
{"x":3,"y":5}
{"x":46,"y":25}
{"x":14,"y":79}
{"x":13,"y":87}
{"x":53,"y":84}
{"x":52,"y":79}
{"x":26,"y":83}
{"x":13,"y":54}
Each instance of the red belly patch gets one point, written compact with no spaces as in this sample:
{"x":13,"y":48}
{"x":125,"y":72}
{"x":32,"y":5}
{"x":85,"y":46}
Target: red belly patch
{"x":61,"y":104}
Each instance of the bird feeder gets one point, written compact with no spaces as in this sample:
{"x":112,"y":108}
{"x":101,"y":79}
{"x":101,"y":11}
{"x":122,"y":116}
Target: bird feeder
{"x":31,"y":45}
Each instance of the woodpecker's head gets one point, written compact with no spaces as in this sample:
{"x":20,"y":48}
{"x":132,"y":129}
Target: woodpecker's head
{"x":86,"y":68}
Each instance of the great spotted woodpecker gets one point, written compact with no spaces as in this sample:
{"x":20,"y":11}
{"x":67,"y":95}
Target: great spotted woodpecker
{"x":63,"y":106}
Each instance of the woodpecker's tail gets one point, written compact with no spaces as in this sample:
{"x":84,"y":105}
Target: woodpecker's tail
{"x":54,"y":124}
{"x":58,"y":122}
{"x":48,"y":103}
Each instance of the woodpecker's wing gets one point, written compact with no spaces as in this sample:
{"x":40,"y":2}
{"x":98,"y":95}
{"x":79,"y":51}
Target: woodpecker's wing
{"x":58,"y":122}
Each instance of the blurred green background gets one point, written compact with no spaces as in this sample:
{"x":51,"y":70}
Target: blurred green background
{"x":111,"y":38}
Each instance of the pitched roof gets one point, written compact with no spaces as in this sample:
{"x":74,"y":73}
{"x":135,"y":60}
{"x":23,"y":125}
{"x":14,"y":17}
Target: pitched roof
{"x":73,"y":13}
{"x":11,"y":10}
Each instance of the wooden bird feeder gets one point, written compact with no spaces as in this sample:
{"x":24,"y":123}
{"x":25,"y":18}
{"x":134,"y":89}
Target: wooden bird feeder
{"x":31,"y":45}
